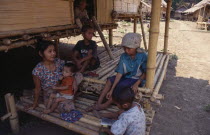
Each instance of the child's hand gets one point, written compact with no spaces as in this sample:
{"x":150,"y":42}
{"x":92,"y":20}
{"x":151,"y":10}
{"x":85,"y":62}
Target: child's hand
{"x":109,"y":94}
{"x":135,"y":88}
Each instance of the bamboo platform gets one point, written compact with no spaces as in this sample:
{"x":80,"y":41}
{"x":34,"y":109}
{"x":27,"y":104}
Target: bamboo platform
{"x":91,"y":87}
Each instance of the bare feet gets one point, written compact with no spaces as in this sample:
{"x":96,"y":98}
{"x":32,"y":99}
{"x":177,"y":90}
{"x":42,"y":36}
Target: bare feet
{"x":94,"y":107}
{"x":47,"y":111}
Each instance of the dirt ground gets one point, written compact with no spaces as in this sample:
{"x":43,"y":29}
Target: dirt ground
{"x":187,"y":85}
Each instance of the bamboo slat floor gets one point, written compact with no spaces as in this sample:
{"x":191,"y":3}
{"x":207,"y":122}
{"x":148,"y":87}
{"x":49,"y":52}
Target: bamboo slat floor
{"x":91,"y":88}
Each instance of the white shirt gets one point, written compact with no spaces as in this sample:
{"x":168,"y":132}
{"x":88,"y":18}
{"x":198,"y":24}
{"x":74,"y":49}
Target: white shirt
{"x":131,"y":122}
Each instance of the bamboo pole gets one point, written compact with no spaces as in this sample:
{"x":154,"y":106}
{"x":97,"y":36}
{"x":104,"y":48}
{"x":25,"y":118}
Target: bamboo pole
{"x":159,"y":59}
{"x":35,"y":30}
{"x":86,"y":118}
{"x":134,"y":25}
{"x":102,"y":38}
{"x":59,"y":122}
{"x":157,"y":87}
{"x":10,"y":104}
{"x":153,"y":40}
{"x":110,"y":37}
{"x":17,"y":44}
{"x":159,"y":70}
{"x":168,"y":12}
{"x":94,"y":80}
{"x":142,"y":28}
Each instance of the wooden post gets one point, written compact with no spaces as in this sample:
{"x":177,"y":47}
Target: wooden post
{"x":110,"y":37}
{"x":102,"y":38}
{"x":204,"y":13}
{"x":153,"y":40}
{"x":168,"y":11}
{"x":142,"y":27}
{"x":14,"y":122}
{"x":134,"y":25}
{"x":143,"y":33}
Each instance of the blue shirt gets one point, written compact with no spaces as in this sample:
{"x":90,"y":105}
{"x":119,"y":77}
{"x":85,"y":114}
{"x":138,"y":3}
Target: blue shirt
{"x":132,"y":68}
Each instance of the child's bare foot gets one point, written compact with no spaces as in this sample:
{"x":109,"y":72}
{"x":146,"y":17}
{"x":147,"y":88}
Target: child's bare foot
{"x":94,"y":107}
{"x":47,"y":111}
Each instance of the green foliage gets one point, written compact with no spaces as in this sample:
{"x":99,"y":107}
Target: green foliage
{"x":174,"y":57}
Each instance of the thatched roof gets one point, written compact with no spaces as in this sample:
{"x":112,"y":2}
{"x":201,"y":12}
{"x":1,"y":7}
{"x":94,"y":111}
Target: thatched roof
{"x":181,"y":9}
{"x":198,"y":6}
{"x":146,"y":7}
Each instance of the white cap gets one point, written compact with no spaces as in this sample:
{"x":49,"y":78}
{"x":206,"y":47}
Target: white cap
{"x":131,"y":40}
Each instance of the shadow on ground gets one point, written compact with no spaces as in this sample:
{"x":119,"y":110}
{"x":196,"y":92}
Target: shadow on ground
{"x":188,"y":94}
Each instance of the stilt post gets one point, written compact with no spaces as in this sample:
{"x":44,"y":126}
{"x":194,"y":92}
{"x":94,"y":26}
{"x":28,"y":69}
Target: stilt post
{"x":110,"y":37}
{"x":11,"y":108}
{"x":134,"y":25}
{"x":153,"y":41}
{"x":168,"y":11}
{"x":142,"y":27}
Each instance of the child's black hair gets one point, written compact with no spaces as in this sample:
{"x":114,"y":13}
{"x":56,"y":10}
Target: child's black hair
{"x":72,"y":66}
{"x":123,"y":95}
{"x":85,"y":28}
{"x":42,"y":45}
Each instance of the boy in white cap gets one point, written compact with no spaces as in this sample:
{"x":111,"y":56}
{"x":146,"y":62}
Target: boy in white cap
{"x":131,"y":71}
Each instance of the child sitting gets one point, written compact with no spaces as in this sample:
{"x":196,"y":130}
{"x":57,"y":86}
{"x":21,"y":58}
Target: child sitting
{"x":81,"y":16}
{"x":132,"y":120}
{"x":131,"y":71}
{"x":67,"y":89}
{"x":85,"y":51}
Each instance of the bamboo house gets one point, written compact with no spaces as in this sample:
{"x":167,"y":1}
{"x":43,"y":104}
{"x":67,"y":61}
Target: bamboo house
{"x":201,"y":13}
{"x":53,"y":20}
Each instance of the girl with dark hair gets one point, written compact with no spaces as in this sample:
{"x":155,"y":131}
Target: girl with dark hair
{"x":48,"y":72}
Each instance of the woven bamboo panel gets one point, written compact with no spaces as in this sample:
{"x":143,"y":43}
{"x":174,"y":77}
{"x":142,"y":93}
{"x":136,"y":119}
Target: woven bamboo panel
{"x":126,"y":6}
{"x":26,"y":14}
{"x":104,"y":10}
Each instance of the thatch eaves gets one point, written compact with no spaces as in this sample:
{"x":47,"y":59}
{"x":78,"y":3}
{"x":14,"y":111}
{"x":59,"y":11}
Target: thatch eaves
{"x":198,"y":6}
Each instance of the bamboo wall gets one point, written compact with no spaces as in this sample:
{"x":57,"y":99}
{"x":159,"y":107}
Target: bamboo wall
{"x":126,"y":6}
{"x":104,"y":10}
{"x":26,"y":14}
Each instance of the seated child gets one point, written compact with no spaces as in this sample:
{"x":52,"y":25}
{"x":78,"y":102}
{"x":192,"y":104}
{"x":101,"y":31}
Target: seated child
{"x":132,"y":120}
{"x":131,"y":71}
{"x":85,"y":51}
{"x":81,"y":16}
{"x":66,"y":90}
